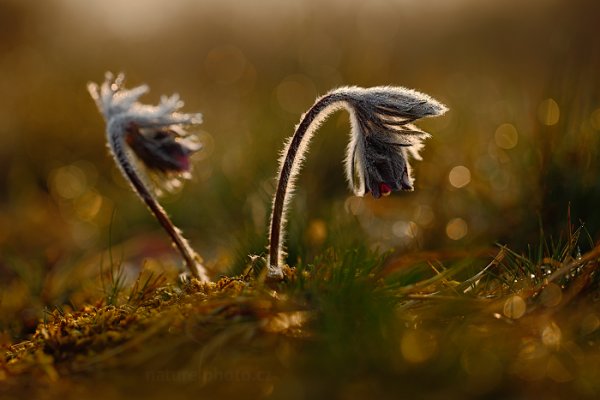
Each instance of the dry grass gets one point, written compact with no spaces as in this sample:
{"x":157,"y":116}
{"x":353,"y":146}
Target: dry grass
{"x":343,"y":326}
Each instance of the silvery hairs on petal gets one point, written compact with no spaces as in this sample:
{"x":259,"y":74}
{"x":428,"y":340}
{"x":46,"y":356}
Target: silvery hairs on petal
{"x":156,"y":136}
{"x":120,"y":105}
{"x":153,"y":133}
{"x":382,"y":138}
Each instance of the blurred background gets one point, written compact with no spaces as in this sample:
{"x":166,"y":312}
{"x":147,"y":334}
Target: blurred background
{"x":517,"y":149}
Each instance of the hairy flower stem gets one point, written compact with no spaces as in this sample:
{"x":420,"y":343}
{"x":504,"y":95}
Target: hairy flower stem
{"x":192,"y":260}
{"x":289,"y":170}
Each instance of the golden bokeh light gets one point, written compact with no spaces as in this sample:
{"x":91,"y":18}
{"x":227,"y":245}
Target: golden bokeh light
{"x":551,"y":295}
{"x":424,"y":215}
{"x":457,"y":228}
{"x":514,"y":307}
{"x":316,"y":233}
{"x":506,"y":136}
{"x":68,"y":182}
{"x":459,"y":176}
{"x":549,"y":112}
{"x":590,"y":323}
{"x":551,"y":335}
{"x":418,"y":346}
{"x":404,"y":229}
{"x":88,"y":205}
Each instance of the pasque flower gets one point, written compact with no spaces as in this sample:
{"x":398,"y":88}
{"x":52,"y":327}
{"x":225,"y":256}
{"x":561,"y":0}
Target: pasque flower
{"x":382,"y":139}
{"x":155,"y":135}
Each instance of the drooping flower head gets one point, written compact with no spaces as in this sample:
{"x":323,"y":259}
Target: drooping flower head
{"x":383,"y":137}
{"x":155,"y":134}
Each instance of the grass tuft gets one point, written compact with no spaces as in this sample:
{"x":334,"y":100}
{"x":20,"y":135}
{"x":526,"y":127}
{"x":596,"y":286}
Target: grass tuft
{"x":351,"y":321}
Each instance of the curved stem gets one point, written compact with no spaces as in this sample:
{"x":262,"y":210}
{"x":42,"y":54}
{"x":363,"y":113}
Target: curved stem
{"x":192,"y":260}
{"x":288,"y":171}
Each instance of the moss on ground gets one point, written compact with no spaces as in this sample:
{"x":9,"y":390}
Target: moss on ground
{"x":343,"y":327}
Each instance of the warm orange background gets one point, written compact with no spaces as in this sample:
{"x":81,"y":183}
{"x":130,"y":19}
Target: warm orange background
{"x":520,"y":143}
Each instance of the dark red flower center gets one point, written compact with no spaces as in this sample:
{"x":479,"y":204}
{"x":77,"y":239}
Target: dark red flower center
{"x":385,"y":189}
{"x":184,"y":161}
{"x":160,"y":150}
